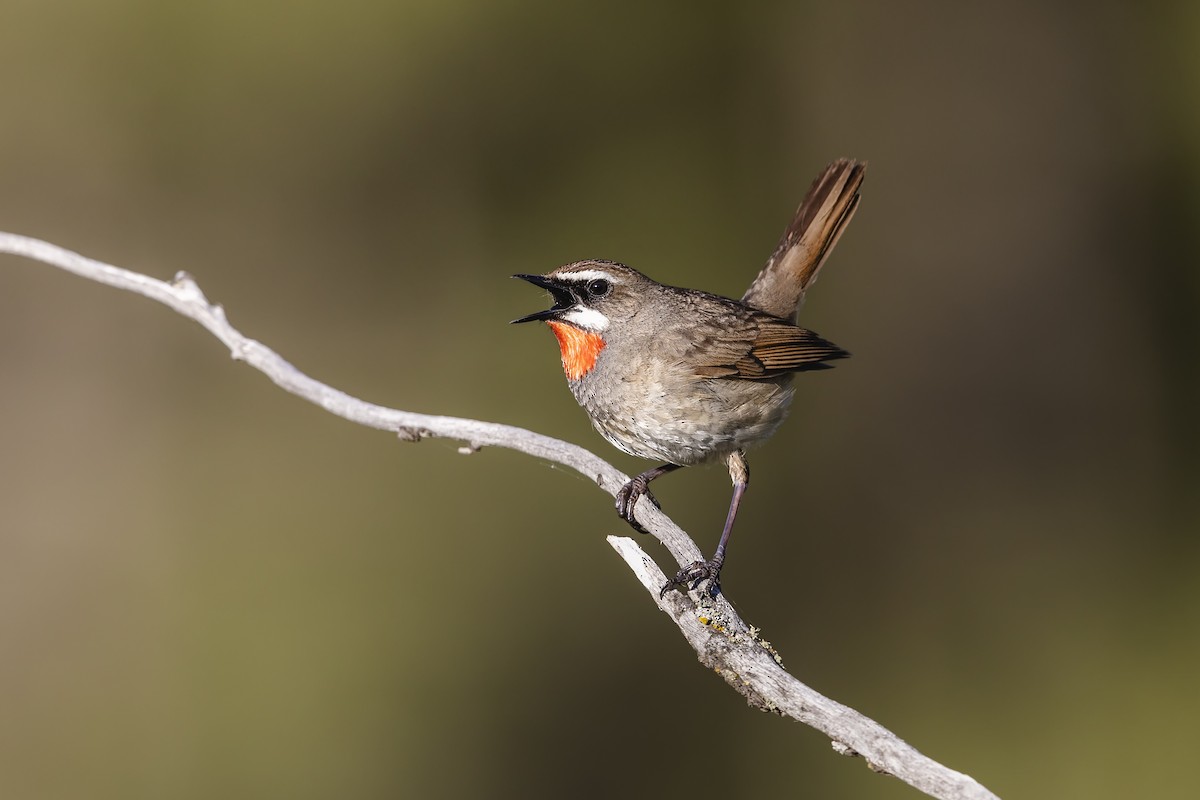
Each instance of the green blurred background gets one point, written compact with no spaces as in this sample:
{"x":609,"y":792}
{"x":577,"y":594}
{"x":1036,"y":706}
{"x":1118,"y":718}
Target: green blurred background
{"x":980,"y":531}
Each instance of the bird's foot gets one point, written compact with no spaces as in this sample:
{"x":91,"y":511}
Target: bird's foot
{"x":693,"y":575}
{"x":627,"y":498}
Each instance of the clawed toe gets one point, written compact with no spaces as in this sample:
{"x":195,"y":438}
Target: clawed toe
{"x":639,"y":487}
{"x":693,"y":575}
{"x":627,"y":499}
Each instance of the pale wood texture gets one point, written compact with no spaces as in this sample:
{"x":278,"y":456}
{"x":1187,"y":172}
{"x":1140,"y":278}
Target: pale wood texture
{"x":722,"y":640}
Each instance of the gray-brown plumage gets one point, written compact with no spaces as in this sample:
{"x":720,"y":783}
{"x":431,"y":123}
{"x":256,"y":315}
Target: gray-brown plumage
{"x":684,"y":376}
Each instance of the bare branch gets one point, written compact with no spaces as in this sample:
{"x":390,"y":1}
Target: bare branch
{"x":722,"y":640}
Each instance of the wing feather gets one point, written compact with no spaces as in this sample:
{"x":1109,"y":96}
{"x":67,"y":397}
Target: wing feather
{"x":758,"y":346}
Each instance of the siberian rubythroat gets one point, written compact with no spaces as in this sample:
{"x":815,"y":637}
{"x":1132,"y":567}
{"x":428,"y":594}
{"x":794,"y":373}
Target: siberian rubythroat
{"x":684,"y":377}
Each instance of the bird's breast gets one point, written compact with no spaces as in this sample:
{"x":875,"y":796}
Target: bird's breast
{"x":658,"y":411}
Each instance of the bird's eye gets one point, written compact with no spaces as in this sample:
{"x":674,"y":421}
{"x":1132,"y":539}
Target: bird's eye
{"x":598,"y":287}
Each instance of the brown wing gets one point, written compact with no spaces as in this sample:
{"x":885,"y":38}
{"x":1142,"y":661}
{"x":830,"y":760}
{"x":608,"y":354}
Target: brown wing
{"x":759,"y":347}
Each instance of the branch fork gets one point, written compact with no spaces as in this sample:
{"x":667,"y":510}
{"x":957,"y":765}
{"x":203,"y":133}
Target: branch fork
{"x":722,"y":641}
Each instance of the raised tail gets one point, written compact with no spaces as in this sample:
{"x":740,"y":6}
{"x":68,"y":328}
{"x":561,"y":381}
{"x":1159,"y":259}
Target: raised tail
{"x":823,"y":214}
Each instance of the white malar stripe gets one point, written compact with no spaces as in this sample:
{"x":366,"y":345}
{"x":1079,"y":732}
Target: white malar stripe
{"x":587,"y":318}
{"x":585,"y":275}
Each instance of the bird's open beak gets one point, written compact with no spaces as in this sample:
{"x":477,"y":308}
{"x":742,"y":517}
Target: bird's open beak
{"x":563,"y":299}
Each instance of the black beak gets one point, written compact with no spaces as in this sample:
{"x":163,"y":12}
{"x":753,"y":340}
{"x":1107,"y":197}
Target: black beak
{"x":563,"y":299}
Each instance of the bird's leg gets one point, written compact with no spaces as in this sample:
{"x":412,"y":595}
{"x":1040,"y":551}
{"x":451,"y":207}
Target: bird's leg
{"x":628,"y":496}
{"x":696,"y":572}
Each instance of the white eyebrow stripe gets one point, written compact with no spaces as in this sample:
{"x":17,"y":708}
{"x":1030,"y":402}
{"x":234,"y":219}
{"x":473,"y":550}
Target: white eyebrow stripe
{"x":587,"y":318}
{"x":585,"y":275}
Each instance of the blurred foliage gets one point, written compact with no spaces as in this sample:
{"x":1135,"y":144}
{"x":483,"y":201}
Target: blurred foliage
{"x":981,"y":530}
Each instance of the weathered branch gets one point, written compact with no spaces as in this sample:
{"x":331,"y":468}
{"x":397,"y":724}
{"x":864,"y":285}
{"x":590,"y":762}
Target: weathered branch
{"x":722,"y":641}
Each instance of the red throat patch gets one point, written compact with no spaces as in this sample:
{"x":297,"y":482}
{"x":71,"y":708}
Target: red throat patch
{"x":580,"y":348}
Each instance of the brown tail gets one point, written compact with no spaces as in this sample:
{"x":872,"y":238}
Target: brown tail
{"x":823,"y":214}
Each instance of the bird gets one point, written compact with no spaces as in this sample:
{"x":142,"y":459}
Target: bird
{"x":686,"y":377}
